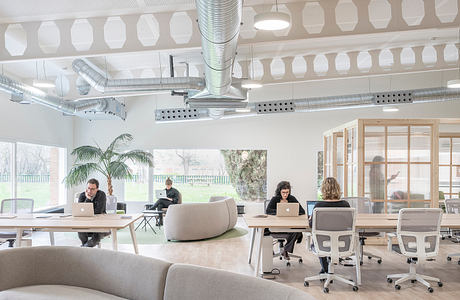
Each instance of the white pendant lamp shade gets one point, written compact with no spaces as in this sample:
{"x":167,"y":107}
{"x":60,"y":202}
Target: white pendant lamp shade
{"x":453,"y":84}
{"x":251,"y":84}
{"x":271,"y":21}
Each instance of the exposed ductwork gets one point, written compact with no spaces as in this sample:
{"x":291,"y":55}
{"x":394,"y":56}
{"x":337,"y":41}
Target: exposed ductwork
{"x":23,"y":93}
{"x":219,"y":24}
{"x":104,"y":85}
{"x":343,"y":102}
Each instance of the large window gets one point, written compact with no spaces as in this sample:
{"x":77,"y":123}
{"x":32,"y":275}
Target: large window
{"x":449,"y":166}
{"x":39,"y":171}
{"x":200,"y":174}
{"x":137,"y":188}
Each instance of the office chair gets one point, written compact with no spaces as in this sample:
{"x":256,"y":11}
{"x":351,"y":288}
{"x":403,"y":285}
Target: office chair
{"x":280,"y":238}
{"x":418,"y":235}
{"x":15,"y":206}
{"x":334,"y":236}
{"x":453,"y":207}
{"x":363,"y":205}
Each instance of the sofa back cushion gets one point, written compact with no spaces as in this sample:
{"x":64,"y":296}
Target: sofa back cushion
{"x":199,"y":283}
{"x":120,"y":274}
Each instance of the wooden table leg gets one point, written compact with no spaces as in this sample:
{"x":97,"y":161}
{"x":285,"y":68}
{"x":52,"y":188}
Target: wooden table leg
{"x":251,"y":245}
{"x":19,"y":232}
{"x":133,"y":237}
{"x":114,"y":240}
{"x":259,"y":250}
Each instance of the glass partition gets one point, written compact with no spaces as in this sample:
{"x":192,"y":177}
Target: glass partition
{"x":449,"y":166}
{"x":5,"y":170}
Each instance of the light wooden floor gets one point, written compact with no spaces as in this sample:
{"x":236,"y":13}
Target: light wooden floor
{"x":231,"y":255}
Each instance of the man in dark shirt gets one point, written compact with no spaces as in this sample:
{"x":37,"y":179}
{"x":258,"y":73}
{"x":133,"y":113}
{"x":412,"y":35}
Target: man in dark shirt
{"x":92,"y":194}
{"x":172,"y":197}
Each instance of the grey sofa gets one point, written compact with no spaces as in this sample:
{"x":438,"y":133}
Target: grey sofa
{"x":196,"y":221}
{"x":79,"y":273}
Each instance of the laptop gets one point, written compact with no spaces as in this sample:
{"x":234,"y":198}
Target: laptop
{"x":287,"y":209}
{"x":82,"y":210}
{"x":310,"y":207}
{"x":160,"y":194}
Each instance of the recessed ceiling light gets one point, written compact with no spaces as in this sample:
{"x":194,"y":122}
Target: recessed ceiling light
{"x":453,"y":84}
{"x":390,"y":109}
{"x":251,"y":84}
{"x":43,"y":83}
{"x":271,"y":21}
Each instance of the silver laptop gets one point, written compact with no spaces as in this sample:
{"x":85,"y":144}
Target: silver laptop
{"x":82,"y":210}
{"x":160,"y":194}
{"x":287,"y":209}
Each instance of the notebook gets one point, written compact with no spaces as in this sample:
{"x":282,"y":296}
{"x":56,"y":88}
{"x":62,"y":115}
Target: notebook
{"x":160,"y":194}
{"x":82,"y":210}
{"x":310,"y":207}
{"x":287,"y":209}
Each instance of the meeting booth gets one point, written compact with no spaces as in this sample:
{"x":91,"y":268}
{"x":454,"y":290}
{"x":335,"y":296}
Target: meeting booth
{"x":396,"y":163}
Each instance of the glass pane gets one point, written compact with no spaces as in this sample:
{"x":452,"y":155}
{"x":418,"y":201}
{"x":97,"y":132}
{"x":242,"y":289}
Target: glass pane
{"x":455,"y":182}
{"x":137,"y":188}
{"x":355,"y":180}
{"x":350,"y":180}
{"x":420,"y":144}
{"x":444,"y":151}
{"x":375,"y":181}
{"x":329,"y":150}
{"x":397,"y":143}
{"x":340,"y":176}
{"x":419,"y":204}
{"x":5,"y":170}
{"x":420,"y":182}
{"x":456,"y":151}
{"x":374,"y":143}
{"x":354,"y":145}
{"x":349,"y":145}
{"x":340,"y":150}
{"x":397,"y":182}
{"x":40,"y":172}
{"x":444,"y":179}
{"x":394,"y":207}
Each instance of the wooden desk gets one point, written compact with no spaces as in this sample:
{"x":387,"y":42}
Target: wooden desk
{"x":56,"y":223}
{"x":374,"y":222}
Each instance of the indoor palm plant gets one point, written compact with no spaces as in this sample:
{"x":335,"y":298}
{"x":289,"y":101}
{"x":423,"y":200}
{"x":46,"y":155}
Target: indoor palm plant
{"x":110,"y":162}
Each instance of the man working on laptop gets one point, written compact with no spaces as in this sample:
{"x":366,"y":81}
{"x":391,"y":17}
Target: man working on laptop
{"x":92,"y":194}
{"x":172,"y":197}
{"x":283,"y":195}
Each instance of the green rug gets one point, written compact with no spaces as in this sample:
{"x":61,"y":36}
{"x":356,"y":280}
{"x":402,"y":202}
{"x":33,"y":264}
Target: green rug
{"x":148,"y":237}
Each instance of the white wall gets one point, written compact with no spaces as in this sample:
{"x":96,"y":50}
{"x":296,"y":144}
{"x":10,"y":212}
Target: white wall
{"x":292,"y":139}
{"x":34,"y":124}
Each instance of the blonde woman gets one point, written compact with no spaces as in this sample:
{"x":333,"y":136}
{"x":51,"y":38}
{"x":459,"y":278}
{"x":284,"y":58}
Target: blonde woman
{"x":330,"y":190}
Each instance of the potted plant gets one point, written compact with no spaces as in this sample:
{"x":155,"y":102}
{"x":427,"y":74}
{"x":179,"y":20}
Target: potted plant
{"x":110,"y":162}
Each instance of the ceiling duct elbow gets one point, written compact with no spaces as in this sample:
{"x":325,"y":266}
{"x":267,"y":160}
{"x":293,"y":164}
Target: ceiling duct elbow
{"x":219,"y":25}
{"x":104,"y":85}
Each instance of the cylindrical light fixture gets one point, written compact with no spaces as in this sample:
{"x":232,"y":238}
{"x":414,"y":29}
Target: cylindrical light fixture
{"x":272,"y":21}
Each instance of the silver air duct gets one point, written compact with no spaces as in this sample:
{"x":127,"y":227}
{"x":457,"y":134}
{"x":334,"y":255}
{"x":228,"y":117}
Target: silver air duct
{"x":219,"y":24}
{"x":104,"y":85}
{"x":23,"y":93}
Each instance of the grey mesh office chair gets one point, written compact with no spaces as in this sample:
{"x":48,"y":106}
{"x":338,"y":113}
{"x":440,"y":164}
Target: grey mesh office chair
{"x":334,"y":236}
{"x":280,"y":238}
{"x":15,"y":206}
{"x":453,"y":207}
{"x":363,"y":205}
{"x":418,"y":234}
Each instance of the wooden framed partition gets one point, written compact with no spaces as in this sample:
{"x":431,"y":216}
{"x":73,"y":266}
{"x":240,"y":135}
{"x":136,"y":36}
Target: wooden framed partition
{"x":394,"y":162}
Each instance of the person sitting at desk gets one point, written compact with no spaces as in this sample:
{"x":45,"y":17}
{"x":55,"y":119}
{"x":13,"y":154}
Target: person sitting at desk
{"x":283,"y":195}
{"x":172,"y":197}
{"x":92,"y":194}
{"x":330,"y":190}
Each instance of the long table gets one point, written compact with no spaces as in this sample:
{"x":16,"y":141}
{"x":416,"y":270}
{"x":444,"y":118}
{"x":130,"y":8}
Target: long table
{"x":369,"y":222}
{"x":66,"y":223}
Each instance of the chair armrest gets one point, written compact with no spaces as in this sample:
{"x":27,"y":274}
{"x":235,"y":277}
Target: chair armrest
{"x":389,"y":237}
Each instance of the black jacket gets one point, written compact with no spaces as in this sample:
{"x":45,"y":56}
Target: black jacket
{"x":99,"y":201}
{"x":271,"y":207}
{"x":341,"y":203}
{"x":173,"y":194}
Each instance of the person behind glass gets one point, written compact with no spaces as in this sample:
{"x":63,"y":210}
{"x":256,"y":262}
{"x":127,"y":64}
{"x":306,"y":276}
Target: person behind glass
{"x":283,"y":195}
{"x":172,"y":197}
{"x":377,"y":183}
{"x":330,"y":190}
{"x":92,"y":194}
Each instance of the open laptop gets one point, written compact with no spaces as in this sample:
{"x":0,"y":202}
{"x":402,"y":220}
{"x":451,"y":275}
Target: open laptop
{"x":160,"y":194}
{"x":310,"y":207}
{"x":82,"y":210}
{"x":287,"y":209}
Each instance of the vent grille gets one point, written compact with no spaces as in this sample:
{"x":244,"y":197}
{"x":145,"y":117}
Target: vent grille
{"x":172,"y":114}
{"x":393,"y":97}
{"x":275,"y":107}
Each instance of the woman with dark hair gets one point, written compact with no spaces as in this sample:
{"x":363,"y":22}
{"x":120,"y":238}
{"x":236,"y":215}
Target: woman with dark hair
{"x":283,"y":195}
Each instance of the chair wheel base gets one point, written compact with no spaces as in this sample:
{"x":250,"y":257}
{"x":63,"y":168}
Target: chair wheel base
{"x":305,"y":283}
{"x":300,"y":261}
{"x":440,"y":284}
{"x":355,"y":288}
{"x":449,"y":258}
{"x":288,"y":264}
{"x":413,"y":281}
{"x":397,"y":287}
{"x":379,"y":261}
{"x":326,"y":290}
{"x":389,"y":280}
{"x":430,"y":289}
